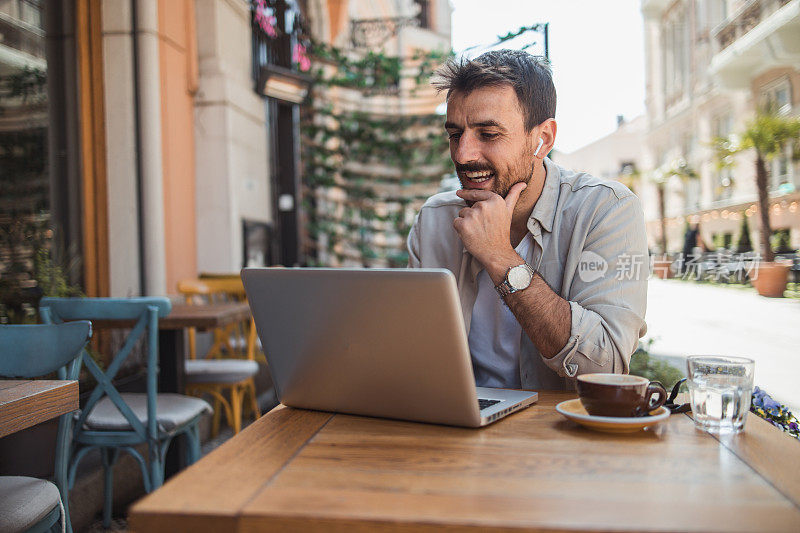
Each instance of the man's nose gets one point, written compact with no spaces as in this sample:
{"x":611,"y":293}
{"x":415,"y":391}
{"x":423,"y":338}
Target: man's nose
{"x":467,"y":149}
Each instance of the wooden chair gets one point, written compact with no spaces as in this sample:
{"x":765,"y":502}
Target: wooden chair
{"x":30,"y":504}
{"x":112,"y":421}
{"x":229,"y":365}
{"x":231,"y":286}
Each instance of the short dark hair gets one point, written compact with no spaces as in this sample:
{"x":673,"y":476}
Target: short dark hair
{"x":530,"y":76}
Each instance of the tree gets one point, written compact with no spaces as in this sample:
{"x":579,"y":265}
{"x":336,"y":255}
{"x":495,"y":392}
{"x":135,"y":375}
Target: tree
{"x":768,"y":134}
{"x":661,"y":177}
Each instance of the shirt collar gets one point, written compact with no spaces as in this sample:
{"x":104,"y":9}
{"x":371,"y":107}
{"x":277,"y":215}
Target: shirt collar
{"x":544,"y":211}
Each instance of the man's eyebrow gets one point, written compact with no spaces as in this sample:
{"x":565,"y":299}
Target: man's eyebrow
{"x":489,"y":124}
{"x":484,"y":124}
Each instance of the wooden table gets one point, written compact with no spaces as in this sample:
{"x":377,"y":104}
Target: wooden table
{"x":297,"y":470}
{"x":25,"y":403}
{"x":171,"y":339}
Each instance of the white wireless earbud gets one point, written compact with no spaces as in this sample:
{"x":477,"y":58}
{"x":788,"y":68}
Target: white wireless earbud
{"x":541,"y":142}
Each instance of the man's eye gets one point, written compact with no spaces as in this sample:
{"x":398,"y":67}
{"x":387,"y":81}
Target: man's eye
{"x":453,"y":136}
{"x":488,"y":136}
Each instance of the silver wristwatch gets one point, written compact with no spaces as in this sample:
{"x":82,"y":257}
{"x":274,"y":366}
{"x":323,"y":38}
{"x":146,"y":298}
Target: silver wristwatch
{"x":517,"y":278}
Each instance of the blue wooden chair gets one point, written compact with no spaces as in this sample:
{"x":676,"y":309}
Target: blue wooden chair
{"x":112,"y":421}
{"x":30,"y":504}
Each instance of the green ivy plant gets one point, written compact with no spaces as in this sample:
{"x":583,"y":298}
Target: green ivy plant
{"x":382,"y":165}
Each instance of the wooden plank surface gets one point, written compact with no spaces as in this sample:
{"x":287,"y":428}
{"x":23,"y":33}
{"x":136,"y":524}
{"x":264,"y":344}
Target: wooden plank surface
{"x":209,"y":495}
{"x":532,"y":471}
{"x":26,"y":403}
{"x":770,"y":452}
{"x":186,"y":316}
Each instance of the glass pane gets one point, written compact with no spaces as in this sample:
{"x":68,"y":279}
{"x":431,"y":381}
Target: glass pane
{"x":31,"y":125}
{"x":24,"y":183}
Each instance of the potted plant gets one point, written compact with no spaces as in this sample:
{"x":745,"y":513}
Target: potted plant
{"x":768,"y":135}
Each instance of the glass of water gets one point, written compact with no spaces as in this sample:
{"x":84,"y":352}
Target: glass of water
{"x":720,"y":389}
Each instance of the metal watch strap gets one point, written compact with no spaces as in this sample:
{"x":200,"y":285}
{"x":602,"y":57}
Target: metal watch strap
{"x":505,"y":288}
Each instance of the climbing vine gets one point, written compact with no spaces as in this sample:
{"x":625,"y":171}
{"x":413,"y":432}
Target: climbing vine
{"x":367,"y":164}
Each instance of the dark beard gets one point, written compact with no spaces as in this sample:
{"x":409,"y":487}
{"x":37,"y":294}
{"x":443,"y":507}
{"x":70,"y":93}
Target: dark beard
{"x":478,"y":167}
{"x":526,"y":180}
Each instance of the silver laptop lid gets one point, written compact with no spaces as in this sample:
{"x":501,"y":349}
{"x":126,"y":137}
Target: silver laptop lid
{"x":376,"y":342}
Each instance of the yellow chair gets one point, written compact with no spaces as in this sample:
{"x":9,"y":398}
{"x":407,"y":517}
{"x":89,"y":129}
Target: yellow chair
{"x":230,"y":363}
{"x":230,"y":288}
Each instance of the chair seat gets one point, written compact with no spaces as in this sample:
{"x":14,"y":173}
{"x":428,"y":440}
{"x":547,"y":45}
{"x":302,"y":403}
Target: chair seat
{"x":172,"y":412}
{"x":25,"y":501}
{"x":220,"y":370}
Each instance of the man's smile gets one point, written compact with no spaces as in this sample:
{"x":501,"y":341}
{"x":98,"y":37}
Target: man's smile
{"x":475,"y":178}
{"x":479,"y":176}
{"x":481,"y":180}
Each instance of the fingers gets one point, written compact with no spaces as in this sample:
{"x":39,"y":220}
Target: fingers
{"x":513,"y":195}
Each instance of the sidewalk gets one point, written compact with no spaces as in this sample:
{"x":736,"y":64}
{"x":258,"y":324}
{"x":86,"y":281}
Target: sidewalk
{"x":698,"y":319}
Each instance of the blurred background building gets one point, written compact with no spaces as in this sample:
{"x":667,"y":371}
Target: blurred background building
{"x":617,"y":156}
{"x":710,"y":65}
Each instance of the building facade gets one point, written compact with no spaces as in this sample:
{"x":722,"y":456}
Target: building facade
{"x":155,"y":140}
{"x":711,"y":64}
{"x":617,"y":156}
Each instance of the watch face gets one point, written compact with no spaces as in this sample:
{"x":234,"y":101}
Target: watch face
{"x":519,"y":277}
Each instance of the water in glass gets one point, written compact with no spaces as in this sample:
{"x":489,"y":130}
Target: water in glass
{"x":720,"y":390}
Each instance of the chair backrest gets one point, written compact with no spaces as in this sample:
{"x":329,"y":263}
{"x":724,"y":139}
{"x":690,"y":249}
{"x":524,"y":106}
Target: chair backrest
{"x":146,"y":312}
{"x":30,"y":351}
{"x":213,"y":290}
{"x":68,"y":309}
{"x":221,"y":289}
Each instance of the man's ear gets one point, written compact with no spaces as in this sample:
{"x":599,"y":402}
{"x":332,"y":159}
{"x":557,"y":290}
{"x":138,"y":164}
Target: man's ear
{"x":547,"y":133}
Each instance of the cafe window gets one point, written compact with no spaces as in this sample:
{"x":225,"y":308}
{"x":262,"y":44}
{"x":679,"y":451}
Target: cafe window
{"x":777,"y":96}
{"x":676,"y":59}
{"x":779,"y":170}
{"x":39,"y":170}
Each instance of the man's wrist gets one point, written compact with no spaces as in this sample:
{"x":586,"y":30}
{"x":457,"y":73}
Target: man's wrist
{"x":497,"y":266}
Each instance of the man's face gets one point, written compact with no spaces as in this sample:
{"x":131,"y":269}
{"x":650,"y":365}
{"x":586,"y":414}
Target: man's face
{"x":488,"y":143}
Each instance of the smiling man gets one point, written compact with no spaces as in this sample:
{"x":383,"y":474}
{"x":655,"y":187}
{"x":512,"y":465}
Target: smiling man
{"x":551,"y":264}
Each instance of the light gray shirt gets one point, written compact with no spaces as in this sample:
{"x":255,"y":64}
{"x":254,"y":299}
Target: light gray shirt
{"x":590,"y":247}
{"x":495,"y":334}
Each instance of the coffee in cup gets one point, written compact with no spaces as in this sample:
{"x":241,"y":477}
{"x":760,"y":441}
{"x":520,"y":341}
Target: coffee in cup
{"x":619,"y":395}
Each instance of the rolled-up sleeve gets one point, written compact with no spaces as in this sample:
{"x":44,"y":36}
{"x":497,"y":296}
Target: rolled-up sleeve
{"x":607,"y":294}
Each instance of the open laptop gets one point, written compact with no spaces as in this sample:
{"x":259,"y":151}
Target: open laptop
{"x":376,"y":342}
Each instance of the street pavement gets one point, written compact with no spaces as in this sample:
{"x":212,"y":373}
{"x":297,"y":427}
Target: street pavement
{"x":688,"y":318}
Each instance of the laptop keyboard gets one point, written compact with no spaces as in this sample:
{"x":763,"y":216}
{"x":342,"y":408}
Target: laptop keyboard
{"x":484,"y":403}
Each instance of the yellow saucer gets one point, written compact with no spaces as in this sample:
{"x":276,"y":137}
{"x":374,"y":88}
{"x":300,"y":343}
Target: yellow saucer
{"x":574,"y":410}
